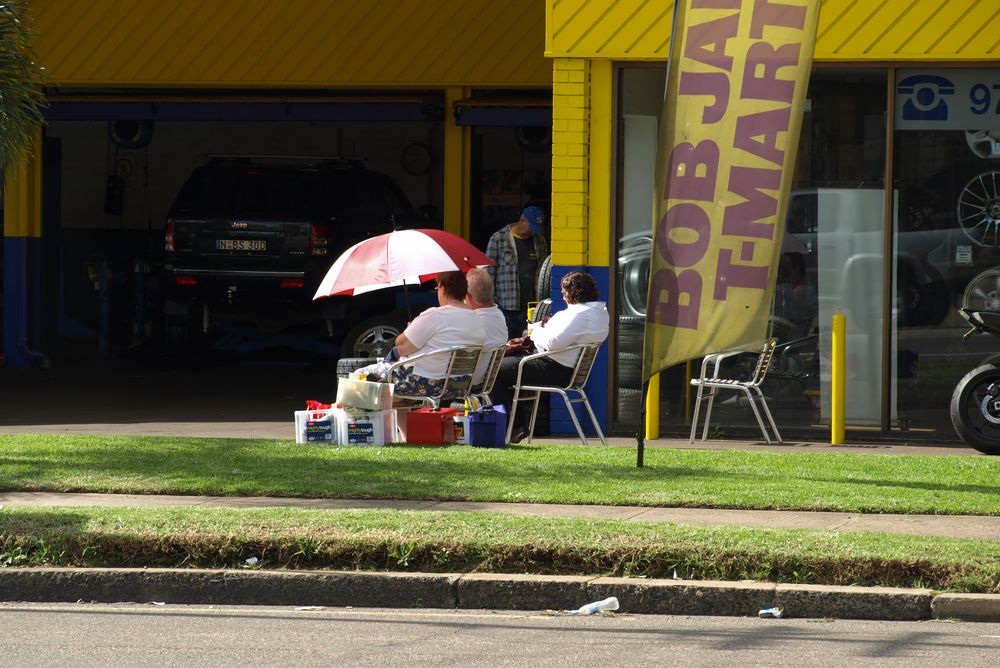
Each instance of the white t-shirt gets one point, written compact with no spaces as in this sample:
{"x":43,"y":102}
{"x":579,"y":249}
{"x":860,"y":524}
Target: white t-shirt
{"x":577,"y":323}
{"x":441,"y":327}
{"x":496,"y":335}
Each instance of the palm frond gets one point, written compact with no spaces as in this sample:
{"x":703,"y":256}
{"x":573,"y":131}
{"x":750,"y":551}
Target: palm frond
{"x":21,"y":84}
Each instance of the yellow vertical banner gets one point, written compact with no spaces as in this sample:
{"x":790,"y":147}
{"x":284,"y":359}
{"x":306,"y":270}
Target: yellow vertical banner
{"x":729,"y":129}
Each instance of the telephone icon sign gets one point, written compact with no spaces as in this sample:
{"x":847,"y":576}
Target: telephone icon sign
{"x":925,"y":101}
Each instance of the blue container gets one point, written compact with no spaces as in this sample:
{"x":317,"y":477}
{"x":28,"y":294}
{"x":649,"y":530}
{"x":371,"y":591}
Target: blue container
{"x":488,"y":427}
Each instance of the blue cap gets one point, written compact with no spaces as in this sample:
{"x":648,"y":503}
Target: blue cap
{"x":536,"y":219}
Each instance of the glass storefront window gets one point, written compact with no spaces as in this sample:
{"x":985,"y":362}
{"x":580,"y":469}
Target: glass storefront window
{"x":947,"y":168}
{"x":832,"y":253}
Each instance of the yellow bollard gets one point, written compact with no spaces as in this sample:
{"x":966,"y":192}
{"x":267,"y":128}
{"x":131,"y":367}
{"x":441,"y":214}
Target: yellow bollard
{"x":838,"y":359}
{"x":653,"y":408}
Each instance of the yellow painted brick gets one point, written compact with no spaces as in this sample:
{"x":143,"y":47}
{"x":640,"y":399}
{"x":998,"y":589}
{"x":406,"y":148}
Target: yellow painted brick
{"x":575,"y":175}
{"x":560,"y":75}
{"x":574,"y":125}
{"x":559,"y":150}
{"x":562,"y":124}
{"x":564,"y":161}
{"x":564,"y":186}
{"x":569,"y":245}
{"x":576,"y":76}
{"x":569,"y":89}
{"x":566,"y":137}
{"x":570,"y":234}
{"x":578,"y":220}
{"x":572,"y":113}
{"x":568,"y":198}
{"x":572,"y":211}
{"x":569,"y":63}
{"x":577,"y":149}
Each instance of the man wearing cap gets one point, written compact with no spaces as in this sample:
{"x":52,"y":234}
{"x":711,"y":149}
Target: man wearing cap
{"x":518,"y":250}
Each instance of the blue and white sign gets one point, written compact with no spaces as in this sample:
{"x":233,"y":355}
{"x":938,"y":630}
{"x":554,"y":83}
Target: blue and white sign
{"x":947,"y":99}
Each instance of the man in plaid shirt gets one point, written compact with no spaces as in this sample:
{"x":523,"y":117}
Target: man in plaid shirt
{"x":518,"y":250}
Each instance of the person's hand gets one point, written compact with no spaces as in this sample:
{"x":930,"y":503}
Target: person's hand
{"x":544,"y":320}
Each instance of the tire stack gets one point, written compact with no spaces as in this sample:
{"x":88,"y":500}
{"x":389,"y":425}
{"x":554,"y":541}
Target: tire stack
{"x":345,"y":365}
{"x":633,"y":272}
{"x":629,"y":361}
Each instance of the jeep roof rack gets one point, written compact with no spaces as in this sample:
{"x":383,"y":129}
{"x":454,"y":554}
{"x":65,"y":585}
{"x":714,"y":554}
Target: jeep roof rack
{"x":311,"y":159}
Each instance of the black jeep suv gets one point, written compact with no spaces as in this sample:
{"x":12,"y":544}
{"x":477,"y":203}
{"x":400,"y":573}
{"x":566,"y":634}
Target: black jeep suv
{"x":250,"y":238}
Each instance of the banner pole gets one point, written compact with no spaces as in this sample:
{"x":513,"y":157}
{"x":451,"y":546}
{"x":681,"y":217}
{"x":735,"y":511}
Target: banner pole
{"x":640,"y":444}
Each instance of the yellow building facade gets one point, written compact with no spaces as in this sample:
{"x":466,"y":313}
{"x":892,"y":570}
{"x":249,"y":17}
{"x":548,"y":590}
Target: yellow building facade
{"x":472,"y":66}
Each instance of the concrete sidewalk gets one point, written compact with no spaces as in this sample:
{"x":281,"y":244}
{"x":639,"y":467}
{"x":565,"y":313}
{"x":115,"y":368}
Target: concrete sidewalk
{"x":508,"y":591}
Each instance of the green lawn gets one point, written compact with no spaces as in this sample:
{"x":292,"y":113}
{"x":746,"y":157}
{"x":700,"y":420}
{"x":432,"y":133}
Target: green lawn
{"x":436,"y":541}
{"x":527,"y":473}
{"x":482,"y":542}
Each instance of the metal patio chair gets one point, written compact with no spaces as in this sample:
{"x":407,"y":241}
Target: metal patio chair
{"x":751,"y":388}
{"x":581,"y":372}
{"x":481,"y":392}
{"x":462,"y":362}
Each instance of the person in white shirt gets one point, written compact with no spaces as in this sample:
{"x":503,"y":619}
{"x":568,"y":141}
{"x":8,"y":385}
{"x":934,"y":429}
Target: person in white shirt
{"x":584,"y":320}
{"x":452,"y":323}
{"x":480,"y":299}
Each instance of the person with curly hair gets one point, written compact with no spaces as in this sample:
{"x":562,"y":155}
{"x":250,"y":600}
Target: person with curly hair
{"x":584,"y":320}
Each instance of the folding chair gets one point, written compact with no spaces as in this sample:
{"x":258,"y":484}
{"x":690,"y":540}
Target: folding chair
{"x":581,"y":372}
{"x":751,"y":388}
{"x":462,"y":362}
{"x":481,"y":392}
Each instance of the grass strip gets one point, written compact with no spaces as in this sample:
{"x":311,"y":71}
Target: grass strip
{"x":836,"y":481}
{"x":481,"y":542}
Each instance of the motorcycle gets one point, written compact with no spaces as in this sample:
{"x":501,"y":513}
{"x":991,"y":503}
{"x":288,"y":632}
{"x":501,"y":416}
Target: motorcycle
{"x":975,"y":404}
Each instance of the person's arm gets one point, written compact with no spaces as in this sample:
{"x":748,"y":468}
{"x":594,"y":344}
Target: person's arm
{"x":493,"y":253}
{"x":557,"y":333}
{"x":417,"y":333}
{"x":404,"y":346}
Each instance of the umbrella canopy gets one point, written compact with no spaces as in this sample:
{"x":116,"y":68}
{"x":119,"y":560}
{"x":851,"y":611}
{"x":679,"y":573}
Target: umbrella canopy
{"x":403,"y":257}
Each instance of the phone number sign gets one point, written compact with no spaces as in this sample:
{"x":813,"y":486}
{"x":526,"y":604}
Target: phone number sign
{"x":947,"y":99}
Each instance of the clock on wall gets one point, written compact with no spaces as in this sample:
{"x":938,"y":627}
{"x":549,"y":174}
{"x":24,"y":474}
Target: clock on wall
{"x":416,"y":159}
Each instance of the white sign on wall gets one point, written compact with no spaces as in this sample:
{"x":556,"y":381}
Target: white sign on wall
{"x":947,"y":99}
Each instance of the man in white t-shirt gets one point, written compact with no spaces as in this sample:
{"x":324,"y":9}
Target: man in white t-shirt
{"x":480,"y":299}
{"x":452,"y":323}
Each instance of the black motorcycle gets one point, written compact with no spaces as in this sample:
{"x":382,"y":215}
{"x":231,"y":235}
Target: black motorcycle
{"x":975,"y":404}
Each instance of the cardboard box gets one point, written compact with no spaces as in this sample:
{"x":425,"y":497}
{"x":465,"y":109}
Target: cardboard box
{"x":364,"y":394}
{"x":431,"y":426}
{"x":488,"y":427}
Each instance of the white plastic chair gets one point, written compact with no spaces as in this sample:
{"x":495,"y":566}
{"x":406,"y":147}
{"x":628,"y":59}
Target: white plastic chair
{"x":581,"y":372}
{"x":462,"y":362}
{"x":751,"y":388}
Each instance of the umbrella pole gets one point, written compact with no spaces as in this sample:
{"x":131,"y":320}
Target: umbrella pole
{"x":406,"y":298}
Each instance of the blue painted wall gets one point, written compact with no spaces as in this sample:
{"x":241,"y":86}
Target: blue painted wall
{"x":597,"y":387}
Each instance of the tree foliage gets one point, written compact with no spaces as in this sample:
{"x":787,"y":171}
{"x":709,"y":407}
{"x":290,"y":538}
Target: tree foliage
{"x":21,"y":80}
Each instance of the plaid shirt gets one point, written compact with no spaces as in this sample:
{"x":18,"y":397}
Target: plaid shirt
{"x":501,"y":250}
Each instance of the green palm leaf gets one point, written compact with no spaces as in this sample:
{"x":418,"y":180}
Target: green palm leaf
{"x":21,"y":78}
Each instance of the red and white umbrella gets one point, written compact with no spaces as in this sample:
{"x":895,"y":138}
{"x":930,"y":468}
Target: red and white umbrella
{"x":403,"y":257}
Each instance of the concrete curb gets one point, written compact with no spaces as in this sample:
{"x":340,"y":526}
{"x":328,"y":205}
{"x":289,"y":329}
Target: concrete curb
{"x":484,"y":591}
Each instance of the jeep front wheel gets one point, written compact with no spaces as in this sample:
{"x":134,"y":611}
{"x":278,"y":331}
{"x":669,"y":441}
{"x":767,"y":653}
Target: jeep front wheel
{"x":373,"y":337}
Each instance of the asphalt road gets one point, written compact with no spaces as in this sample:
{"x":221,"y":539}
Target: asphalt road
{"x":147,"y":635}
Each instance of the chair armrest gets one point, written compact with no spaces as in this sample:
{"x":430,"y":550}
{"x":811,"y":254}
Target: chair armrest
{"x":547,"y":353}
{"x":409,"y":360}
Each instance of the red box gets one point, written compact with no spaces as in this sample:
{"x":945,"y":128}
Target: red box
{"x":431,"y":426}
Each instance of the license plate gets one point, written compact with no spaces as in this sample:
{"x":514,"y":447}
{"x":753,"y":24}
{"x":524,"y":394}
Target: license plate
{"x":241,"y":244}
